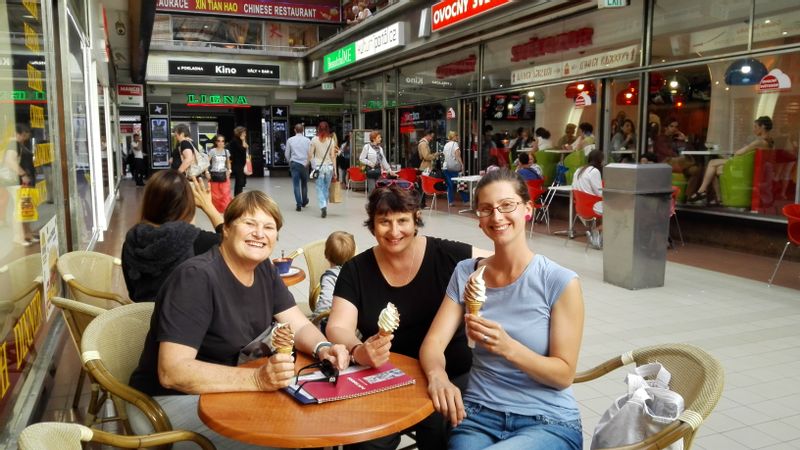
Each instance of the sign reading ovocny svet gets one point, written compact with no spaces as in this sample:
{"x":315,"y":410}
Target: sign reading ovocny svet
{"x":380,"y":41}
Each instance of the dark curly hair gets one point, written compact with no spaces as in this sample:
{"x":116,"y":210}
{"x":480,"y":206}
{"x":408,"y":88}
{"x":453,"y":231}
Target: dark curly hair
{"x":392,"y":199}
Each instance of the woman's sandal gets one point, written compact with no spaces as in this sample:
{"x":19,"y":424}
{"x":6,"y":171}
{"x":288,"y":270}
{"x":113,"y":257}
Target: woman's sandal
{"x":697,"y":197}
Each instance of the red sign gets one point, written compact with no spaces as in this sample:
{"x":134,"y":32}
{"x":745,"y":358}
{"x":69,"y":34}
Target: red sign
{"x":126,"y":128}
{"x":536,"y":47}
{"x":457,"y":68}
{"x":305,"y":10}
{"x":449,"y":12}
{"x":129,"y":89}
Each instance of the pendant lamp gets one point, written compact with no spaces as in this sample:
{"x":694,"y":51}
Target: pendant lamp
{"x":744,"y":72}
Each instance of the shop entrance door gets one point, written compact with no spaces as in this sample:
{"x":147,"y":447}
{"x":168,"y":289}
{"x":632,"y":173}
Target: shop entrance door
{"x":468,"y":126}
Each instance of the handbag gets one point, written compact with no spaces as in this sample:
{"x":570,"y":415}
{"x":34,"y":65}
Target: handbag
{"x":200,"y":163}
{"x":27,"y":199}
{"x":335,"y":192}
{"x":248,"y":166}
{"x":647,"y":408}
{"x":219,"y":177}
{"x":314,"y":174}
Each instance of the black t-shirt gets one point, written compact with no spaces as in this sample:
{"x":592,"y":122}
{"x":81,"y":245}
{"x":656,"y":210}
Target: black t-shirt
{"x":361,"y":283}
{"x":178,"y":151}
{"x":238,"y":154}
{"x":203,"y":305}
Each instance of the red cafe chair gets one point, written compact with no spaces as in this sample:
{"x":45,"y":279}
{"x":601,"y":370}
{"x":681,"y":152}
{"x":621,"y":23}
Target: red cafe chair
{"x":356,"y":175}
{"x":584,"y":210}
{"x":408,"y":174}
{"x":792,"y":213}
{"x":535,"y":191}
{"x":429,"y":188}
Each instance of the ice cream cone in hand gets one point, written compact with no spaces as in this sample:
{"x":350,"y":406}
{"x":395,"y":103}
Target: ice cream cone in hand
{"x":475,"y":295}
{"x":389,"y":320}
{"x":283,"y":338}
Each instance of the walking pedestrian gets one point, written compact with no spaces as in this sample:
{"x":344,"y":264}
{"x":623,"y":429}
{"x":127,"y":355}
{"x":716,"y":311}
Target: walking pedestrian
{"x":297,"y":148}
{"x":239,"y":149}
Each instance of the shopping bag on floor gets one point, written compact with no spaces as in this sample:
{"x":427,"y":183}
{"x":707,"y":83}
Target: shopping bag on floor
{"x":221,"y":194}
{"x":647,"y":408}
{"x":335,"y":192}
{"x":27,"y":199}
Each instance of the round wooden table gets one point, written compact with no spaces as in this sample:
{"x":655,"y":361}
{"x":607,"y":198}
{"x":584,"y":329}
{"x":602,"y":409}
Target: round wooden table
{"x":294,"y":278}
{"x":275,"y":419}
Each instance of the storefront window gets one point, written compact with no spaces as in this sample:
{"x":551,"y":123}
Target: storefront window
{"x":685,"y":29}
{"x":729,"y":131}
{"x":372,"y":102}
{"x":208,"y":31}
{"x":294,"y":35}
{"x":623,"y":131}
{"x":448,"y":76}
{"x":776,"y":23}
{"x":602,"y":40}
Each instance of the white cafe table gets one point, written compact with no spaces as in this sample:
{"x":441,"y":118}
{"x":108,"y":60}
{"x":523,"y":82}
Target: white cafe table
{"x":566,"y":188}
{"x":471,"y":179}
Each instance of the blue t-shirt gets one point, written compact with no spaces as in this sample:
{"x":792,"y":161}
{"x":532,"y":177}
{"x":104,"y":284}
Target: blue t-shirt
{"x":523,"y":309}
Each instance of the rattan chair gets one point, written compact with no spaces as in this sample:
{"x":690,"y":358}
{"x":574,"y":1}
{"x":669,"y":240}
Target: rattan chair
{"x":21,"y":280}
{"x":77,"y":316}
{"x":68,"y":436}
{"x":110,"y":351}
{"x":696,"y":375}
{"x":314,"y":252}
{"x":93,"y":278}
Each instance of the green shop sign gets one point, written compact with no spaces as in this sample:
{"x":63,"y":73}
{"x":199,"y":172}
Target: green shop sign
{"x":340,"y":58}
{"x":217,"y":100}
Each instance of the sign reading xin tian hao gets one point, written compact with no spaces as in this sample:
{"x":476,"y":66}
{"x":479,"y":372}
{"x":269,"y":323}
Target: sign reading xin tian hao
{"x":451,"y":12}
{"x":305,"y":10}
{"x":225,"y":70}
{"x":378,"y":42}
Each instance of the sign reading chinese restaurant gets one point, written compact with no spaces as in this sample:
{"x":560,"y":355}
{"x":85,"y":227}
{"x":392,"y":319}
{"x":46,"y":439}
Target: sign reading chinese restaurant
{"x":225,"y":70}
{"x":217,"y":100}
{"x":578,"y":66}
{"x":378,"y":42}
{"x":305,"y":10}
{"x":451,"y":12}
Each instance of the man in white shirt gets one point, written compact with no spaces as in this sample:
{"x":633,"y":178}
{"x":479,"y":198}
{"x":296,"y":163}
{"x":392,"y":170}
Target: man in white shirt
{"x":139,"y":167}
{"x":297,"y":154}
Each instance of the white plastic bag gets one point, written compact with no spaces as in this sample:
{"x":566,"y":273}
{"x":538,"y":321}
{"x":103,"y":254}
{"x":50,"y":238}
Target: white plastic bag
{"x":647,"y":408}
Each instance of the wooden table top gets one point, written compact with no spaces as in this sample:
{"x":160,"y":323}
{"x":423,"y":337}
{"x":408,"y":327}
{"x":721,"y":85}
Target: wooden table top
{"x":294,"y":278}
{"x":275,"y":419}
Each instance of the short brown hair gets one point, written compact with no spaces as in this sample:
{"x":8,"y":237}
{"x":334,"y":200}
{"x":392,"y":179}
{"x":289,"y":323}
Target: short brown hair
{"x":340,"y":247}
{"x":392,"y":199}
{"x":238,"y":131}
{"x":506,"y":175}
{"x":250,"y":202}
{"x":373,"y":135}
{"x":167,"y":197}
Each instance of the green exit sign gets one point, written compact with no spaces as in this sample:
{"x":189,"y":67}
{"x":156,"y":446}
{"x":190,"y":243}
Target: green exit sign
{"x":340,"y":58}
{"x":612,"y":3}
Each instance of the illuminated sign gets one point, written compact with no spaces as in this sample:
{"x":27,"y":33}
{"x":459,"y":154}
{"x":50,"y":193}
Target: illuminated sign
{"x":612,"y":3}
{"x":378,"y":42}
{"x":20,"y":96}
{"x":451,"y":12}
{"x":217,"y":100}
{"x":305,"y":10}
{"x":224,"y":70}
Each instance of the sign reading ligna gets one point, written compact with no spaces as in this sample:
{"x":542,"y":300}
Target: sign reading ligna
{"x":217,"y":100}
{"x":378,"y":42}
{"x":451,"y":12}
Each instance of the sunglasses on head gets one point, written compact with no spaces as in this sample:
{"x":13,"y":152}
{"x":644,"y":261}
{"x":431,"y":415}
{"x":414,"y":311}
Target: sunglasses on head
{"x":402,"y":184}
{"x":329,"y":373}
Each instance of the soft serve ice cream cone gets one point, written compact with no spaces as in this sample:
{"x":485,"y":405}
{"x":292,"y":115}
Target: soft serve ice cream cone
{"x":283,"y":338}
{"x":475,"y":295}
{"x":388,"y":320}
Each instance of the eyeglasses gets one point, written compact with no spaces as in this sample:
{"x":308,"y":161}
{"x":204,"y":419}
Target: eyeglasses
{"x":506,"y":206}
{"x":329,"y":373}
{"x":402,"y":184}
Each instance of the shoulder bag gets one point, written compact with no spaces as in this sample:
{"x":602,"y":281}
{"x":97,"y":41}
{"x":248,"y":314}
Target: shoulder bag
{"x":200,"y":163}
{"x":314,"y":174}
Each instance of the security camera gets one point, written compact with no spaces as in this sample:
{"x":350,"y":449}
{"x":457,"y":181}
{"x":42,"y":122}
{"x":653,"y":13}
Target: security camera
{"x":121,"y":29}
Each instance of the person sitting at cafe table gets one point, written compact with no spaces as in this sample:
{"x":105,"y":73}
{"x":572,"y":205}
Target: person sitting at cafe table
{"x":589,"y":179}
{"x":568,"y":138}
{"x":214,"y":305}
{"x":761,"y":129}
{"x":585,"y":140}
{"x":527,"y":335}
{"x":412,"y":272}
{"x":527,"y":170}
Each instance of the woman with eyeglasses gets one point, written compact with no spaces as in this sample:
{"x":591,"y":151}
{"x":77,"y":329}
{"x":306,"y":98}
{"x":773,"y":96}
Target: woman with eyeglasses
{"x":374,"y":160}
{"x":409,"y":270}
{"x":220,"y":171}
{"x":528,"y":336}
{"x":165,"y":235}
{"x":213,"y":306}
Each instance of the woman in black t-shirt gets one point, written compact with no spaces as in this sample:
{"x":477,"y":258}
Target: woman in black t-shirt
{"x":410,"y":271}
{"x":239,"y":149}
{"x":183,"y":154}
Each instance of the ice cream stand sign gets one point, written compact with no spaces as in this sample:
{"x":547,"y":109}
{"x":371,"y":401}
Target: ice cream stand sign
{"x":774,"y":81}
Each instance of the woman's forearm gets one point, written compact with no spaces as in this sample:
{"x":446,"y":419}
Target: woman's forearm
{"x":197,"y":377}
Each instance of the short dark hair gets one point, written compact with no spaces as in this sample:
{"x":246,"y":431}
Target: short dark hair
{"x":503,"y":174}
{"x":764,"y":121}
{"x":298,"y":128}
{"x":167,"y":197}
{"x":427,"y":132}
{"x":181,"y":128}
{"x":23,"y":128}
{"x":586,"y":127}
{"x":340,"y":247}
{"x":524,"y":158}
{"x":392,"y":199}
{"x":541,"y":131}
{"x":238,"y":131}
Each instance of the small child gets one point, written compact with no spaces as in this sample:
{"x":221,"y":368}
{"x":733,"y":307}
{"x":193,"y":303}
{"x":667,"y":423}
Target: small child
{"x":339,"y":248}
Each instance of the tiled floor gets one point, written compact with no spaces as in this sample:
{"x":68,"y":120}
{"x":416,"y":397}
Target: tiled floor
{"x":750,"y":327}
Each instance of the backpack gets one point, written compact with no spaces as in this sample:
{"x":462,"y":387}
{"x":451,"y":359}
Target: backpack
{"x":200,"y":163}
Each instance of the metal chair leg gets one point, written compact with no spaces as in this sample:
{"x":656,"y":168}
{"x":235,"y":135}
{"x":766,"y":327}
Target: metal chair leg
{"x":678,"y":225}
{"x":774,"y":272}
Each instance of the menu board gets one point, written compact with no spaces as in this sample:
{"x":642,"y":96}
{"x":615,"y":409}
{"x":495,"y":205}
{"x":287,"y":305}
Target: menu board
{"x":159,"y":143}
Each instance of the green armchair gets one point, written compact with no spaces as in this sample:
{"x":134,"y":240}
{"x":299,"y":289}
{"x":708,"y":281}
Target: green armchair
{"x":573,"y":162}
{"x":679,"y":181}
{"x":548,"y":162}
{"x":736,"y":181}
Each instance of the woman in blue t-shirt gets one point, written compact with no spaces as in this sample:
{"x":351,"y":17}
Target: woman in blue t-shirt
{"x":528,"y":337}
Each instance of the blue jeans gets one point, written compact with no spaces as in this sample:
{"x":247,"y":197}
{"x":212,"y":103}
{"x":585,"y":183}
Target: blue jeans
{"x":485,"y":428}
{"x":451,"y":187}
{"x":324,"y":184}
{"x":299,"y":182}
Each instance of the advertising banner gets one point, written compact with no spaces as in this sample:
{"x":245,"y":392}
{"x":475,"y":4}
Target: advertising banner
{"x":304,"y":10}
{"x":578,"y":66}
